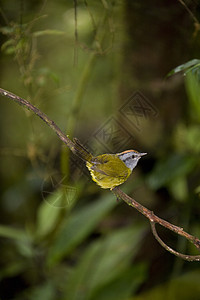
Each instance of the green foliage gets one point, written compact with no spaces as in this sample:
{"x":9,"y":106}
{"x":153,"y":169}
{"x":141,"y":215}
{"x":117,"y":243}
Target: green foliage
{"x":177,"y":167}
{"x":44,"y":291}
{"x":191,"y":71}
{"x":172,"y":168}
{"x":192,"y":66}
{"x":48,"y":32}
{"x":78,"y":226}
{"x":86,"y":245}
{"x":47,"y":211}
{"x":12,"y":233}
{"x":192,"y":83}
{"x":183,"y":287}
{"x":124,"y":285}
{"x":104,"y":263}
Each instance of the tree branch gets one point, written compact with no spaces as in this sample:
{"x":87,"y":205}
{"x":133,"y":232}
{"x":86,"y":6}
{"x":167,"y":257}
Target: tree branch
{"x":153,"y":219}
{"x":183,"y":256}
{"x":40,"y":114}
{"x":190,"y":12}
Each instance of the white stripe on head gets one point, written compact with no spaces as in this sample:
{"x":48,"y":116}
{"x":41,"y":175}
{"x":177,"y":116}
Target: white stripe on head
{"x":130,"y":158}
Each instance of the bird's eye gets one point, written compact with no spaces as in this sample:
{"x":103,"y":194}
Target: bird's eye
{"x":133,"y":156}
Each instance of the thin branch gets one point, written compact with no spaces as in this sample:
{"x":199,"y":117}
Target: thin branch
{"x":91,"y":16}
{"x":196,"y":22}
{"x":153,"y":219}
{"x":160,"y":241}
{"x":189,"y":11}
{"x":40,"y":114}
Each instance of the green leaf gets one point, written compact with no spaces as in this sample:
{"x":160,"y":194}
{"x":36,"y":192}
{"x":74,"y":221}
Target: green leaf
{"x":22,"y":240}
{"x":13,"y":233}
{"x":105,"y":260}
{"x":184,"y":67}
{"x":8,"y":47}
{"x":197,"y":190}
{"x":47,"y":216}
{"x":45,"y":73}
{"x":187,"y":138}
{"x":193,"y":91}
{"x":79,"y":225}
{"x":13,"y":268}
{"x":44,"y":291}
{"x":7,"y":30}
{"x":49,"y":211}
{"x":173,"y":167}
{"x":183,"y":287}
{"x":25,"y":248}
{"x":8,"y":43}
{"x":179,"y":189}
{"x":48,"y":32}
{"x":124,"y":285}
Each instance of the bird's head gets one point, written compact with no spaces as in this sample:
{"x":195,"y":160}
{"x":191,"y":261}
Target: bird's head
{"x":130,"y":158}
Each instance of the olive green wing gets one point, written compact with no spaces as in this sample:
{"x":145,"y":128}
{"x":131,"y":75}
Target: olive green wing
{"x":110,"y":165}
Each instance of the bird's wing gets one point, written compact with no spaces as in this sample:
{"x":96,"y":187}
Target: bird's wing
{"x":110,"y":165}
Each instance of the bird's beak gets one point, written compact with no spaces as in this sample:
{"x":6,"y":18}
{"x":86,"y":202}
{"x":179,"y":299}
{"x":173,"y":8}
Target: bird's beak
{"x":141,"y":154}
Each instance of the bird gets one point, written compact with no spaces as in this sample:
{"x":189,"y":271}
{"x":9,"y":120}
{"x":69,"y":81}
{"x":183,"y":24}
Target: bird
{"x":108,"y":170}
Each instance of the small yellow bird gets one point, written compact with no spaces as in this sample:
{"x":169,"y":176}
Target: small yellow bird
{"x":108,"y":170}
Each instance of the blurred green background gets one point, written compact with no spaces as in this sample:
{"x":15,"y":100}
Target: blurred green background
{"x":99,"y":70}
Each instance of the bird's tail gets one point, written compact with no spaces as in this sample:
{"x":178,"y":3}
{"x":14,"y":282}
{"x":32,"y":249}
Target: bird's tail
{"x":81,"y":151}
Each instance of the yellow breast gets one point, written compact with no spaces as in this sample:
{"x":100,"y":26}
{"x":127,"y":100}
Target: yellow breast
{"x":108,"y":170}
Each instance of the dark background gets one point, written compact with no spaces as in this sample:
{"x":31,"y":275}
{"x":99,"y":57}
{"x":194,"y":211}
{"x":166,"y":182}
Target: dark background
{"x":103,"y":80}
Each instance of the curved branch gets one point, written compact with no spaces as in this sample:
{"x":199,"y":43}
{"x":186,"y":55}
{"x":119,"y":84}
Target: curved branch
{"x":160,"y":241}
{"x":40,"y":114}
{"x":153,"y":219}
